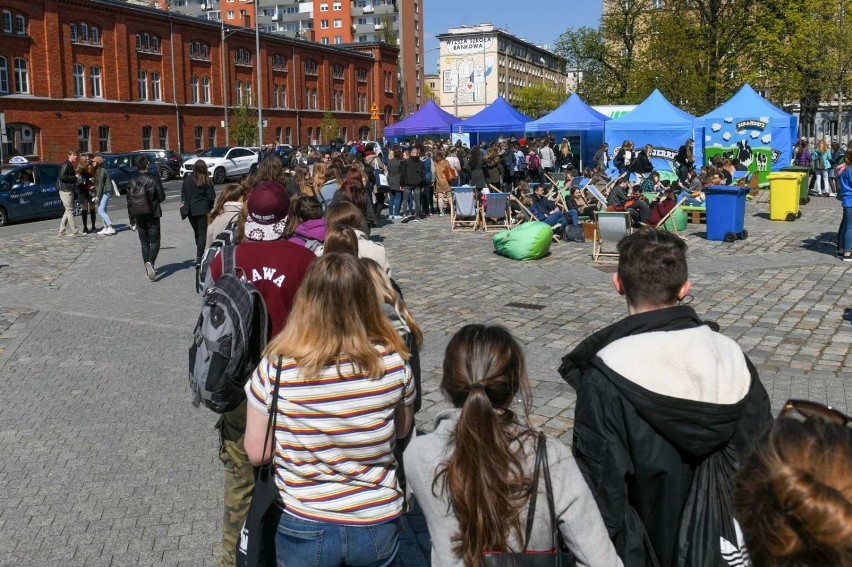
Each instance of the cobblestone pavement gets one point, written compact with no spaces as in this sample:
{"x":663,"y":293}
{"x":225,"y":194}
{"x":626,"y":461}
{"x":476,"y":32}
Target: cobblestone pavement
{"x":105,"y":462}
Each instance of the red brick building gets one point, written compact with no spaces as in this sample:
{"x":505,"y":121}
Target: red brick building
{"x":101,"y":75}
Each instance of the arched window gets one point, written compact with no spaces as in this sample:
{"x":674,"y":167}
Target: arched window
{"x":146,"y":137}
{"x":364,"y":133}
{"x":103,"y":138}
{"x":337,"y":71}
{"x":73,"y":32}
{"x":95,"y":35}
{"x":193,"y":89}
{"x":20,"y":25}
{"x":238,"y":93}
{"x":279,"y":63}
{"x":142,"y":79}
{"x":79,"y":80}
{"x":155,"y":86}
{"x":21,"y":136}
{"x":310,"y":67}
{"x":83,"y":137}
{"x":7,"y":21}
{"x":147,"y":43}
{"x":362,"y":75}
{"x":205,"y":90}
{"x":84,"y":33}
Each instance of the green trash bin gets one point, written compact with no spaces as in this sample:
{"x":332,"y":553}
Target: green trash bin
{"x":804,"y":198}
{"x":784,"y":188}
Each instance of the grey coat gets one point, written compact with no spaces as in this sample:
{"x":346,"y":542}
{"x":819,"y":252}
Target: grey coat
{"x":577,"y":513}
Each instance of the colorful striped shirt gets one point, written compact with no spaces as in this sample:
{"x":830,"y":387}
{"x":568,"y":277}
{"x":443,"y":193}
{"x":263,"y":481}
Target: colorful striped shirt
{"x":334,"y":438}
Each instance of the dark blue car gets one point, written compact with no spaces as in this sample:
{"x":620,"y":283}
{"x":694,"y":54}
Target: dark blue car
{"x":28,"y":191}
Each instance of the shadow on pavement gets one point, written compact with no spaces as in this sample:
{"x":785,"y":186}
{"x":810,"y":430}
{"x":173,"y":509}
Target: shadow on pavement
{"x":169,"y":269}
{"x":824,"y":243}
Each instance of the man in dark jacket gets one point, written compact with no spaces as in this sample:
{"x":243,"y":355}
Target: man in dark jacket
{"x":148,"y":223}
{"x":412,"y":179}
{"x":67,"y":186}
{"x":659,"y":394}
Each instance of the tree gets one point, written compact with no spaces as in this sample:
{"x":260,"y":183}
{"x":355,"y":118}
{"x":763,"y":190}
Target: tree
{"x":244,"y":125}
{"x":386,"y":34}
{"x":586,"y":52}
{"x":428,"y":93}
{"x":329,"y":128}
{"x":538,"y":99}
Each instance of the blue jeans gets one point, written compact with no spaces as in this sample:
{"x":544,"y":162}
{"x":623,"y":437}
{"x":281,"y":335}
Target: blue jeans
{"x":844,"y":235}
{"x":303,"y":543}
{"x":556,"y":218}
{"x":102,"y":207}
{"x":394,"y":203}
{"x":575,"y":217}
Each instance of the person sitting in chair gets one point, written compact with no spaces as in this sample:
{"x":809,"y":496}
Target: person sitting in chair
{"x":634,"y":204}
{"x":577,"y":202}
{"x":546,"y":210}
{"x":662,"y":206}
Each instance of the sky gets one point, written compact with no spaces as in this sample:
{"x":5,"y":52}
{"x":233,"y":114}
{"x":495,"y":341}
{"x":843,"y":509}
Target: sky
{"x":538,"y":21}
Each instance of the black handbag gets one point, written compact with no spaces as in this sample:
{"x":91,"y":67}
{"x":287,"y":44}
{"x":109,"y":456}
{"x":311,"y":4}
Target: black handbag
{"x":553,"y":557}
{"x":256,"y":544}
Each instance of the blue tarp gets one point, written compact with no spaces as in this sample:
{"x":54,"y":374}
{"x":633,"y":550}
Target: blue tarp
{"x":748,"y":106}
{"x":660,"y":123}
{"x":430,"y":119}
{"x":574,"y":117}
{"x":499,"y":117}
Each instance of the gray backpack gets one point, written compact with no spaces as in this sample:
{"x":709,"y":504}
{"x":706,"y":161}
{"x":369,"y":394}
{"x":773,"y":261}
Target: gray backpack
{"x":228,"y":339}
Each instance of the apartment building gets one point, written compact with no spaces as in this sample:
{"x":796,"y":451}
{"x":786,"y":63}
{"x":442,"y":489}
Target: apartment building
{"x":478,"y":63}
{"x":104,"y":75}
{"x":334,"y":22}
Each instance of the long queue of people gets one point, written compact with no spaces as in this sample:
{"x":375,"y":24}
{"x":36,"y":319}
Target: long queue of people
{"x":672,"y":459}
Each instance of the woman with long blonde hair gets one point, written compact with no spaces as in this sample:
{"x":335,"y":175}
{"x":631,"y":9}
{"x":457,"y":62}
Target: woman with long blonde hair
{"x":345,"y":395}
{"x":821,"y":159}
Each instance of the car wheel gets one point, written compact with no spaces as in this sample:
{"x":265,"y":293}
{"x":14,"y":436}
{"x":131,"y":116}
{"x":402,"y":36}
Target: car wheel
{"x":4,"y":220}
{"x":165,"y":173}
{"x":219,"y":175}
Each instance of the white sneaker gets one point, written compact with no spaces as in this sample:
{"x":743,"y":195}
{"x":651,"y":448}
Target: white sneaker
{"x":110,"y":231}
{"x":832,"y":194}
{"x":103,"y":230}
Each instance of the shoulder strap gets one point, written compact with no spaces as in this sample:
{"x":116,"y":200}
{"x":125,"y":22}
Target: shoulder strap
{"x":549,"y":487}
{"x":273,"y":414}
{"x":229,"y":259}
{"x":540,"y":451}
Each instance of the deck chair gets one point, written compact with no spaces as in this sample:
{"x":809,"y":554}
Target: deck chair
{"x":464,"y":208}
{"x":610,"y":228}
{"x":596,"y":193}
{"x":661,"y":225}
{"x":496,"y":207}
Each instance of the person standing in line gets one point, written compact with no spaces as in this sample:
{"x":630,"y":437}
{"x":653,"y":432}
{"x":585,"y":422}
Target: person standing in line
{"x":601,"y":158}
{"x":103,"y":191}
{"x":548,"y":159}
{"x":67,"y":185}
{"x":394,"y":190}
{"x":412,"y":178}
{"x":844,"y":233}
{"x":198,"y":195}
{"x":148,"y":223}
{"x":643,"y":431}
{"x":276,"y":268}
{"x":86,"y":191}
{"x":346,"y":396}
{"x":821,"y":159}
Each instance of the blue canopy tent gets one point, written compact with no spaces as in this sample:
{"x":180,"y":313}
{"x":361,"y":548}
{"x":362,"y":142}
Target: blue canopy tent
{"x":430,"y":119}
{"x":575,"y":117}
{"x":754,"y":133}
{"x":499,"y":117}
{"x":660,"y":123}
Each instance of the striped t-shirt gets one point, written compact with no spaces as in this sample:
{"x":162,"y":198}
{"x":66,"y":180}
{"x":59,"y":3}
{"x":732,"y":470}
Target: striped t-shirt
{"x":334,"y":438}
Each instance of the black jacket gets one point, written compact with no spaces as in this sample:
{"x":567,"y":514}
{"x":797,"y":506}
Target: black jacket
{"x":67,"y":177}
{"x":642,"y":164}
{"x":412,"y":173}
{"x":200,"y":200}
{"x":638,"y":449}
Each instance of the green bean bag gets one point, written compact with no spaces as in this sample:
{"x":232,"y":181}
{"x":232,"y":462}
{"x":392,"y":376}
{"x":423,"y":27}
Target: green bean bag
{"x":529,"y":241}
{"x":680,"y":219}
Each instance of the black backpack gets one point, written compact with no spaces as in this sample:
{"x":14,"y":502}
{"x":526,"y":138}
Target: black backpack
{"x":138,"y":196}
{"x":228,"y":339}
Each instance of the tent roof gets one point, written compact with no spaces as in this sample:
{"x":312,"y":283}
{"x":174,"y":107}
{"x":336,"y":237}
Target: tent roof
{"x":572,"y":115}
{"x":430,"y":119}
{"x":499,"y":116}
{"x":747,"y":102}
{"x":655,"y":113}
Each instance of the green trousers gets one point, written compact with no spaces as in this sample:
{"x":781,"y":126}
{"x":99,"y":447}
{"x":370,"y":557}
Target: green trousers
{"x":239,"y":479}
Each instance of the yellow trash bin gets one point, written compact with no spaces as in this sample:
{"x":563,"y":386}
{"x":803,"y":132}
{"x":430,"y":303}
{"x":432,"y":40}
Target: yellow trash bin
{"x":784,"y":195}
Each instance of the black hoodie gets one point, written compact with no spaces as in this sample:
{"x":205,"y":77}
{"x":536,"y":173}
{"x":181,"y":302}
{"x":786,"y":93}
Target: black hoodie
{"x":637,"y":448}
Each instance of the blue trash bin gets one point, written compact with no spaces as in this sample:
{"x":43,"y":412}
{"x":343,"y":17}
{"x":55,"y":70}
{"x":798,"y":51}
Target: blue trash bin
{"x":726,"y":212}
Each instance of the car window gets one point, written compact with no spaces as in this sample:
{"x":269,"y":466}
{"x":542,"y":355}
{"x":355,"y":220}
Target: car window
{"x":6,"y":181}
{"x":214,"y":152}
{"x":47,"y":174}
{"x":239,"y":152}
{"x":125,"y":161}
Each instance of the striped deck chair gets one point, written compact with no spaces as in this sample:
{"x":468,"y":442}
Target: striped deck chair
{"x":464,"y":208}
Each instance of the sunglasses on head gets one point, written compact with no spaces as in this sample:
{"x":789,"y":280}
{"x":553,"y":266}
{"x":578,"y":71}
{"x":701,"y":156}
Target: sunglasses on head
{"x":804,"y":410}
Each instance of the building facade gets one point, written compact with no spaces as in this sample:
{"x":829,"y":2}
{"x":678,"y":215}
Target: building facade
{"x":122,"y":77}
{"x":481,"y":62}
{"x":334,"y":22}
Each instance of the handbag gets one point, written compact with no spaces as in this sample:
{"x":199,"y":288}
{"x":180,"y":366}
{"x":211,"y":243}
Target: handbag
{"x":184,"y":211}
{"x":451,"y":174}
{"x":256,"y":544}
{"x":553,"y":557}
{"x":381,"y":179}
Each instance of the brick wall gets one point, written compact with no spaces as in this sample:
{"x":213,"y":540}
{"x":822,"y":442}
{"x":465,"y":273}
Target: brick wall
{"x":55,"y":113}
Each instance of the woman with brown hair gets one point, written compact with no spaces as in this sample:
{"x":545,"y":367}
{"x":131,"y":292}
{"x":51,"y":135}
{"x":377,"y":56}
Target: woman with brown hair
{"x":198,"y":196}
{"x":347,"y":214}
{"x":302,"y":177}
{"x":353,"y":189}
{"x":345,"y":396}
{"x":228,"y":206}
{"x":473,"y":475}
{"x":793,"y":492}
{"x":86,"y":171}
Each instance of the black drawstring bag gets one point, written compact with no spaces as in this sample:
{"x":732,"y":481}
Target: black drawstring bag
{"x":256,"y":544}
{"x":553,"y":557}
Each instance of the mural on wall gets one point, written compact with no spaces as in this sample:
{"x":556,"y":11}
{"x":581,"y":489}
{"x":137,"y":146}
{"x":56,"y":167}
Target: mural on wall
{"x":467,"y":68}
{"x":747,"y":142}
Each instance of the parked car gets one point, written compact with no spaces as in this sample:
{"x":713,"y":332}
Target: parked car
{"x":168,"y":161}
{"x":29,"y":191}
{"x":122,"y":168}
{"x":224,"y":162}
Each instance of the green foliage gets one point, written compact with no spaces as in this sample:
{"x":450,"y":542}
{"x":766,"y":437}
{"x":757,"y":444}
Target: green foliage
{"x":243,"y":125}
{"x":538,"y":99}
{"x":330,"y":129}
{"x":386,"y":34}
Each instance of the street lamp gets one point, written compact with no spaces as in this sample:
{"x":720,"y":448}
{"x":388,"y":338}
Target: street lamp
{"x":259,"y":88}
{"x":225,"y":77}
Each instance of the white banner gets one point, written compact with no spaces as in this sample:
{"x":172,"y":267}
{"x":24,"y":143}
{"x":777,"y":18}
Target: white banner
{"x":467,"y":45}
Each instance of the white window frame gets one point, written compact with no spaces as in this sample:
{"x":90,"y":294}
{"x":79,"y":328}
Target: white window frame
{"x":78,"y":72}
{"x":205,"y":90}
{"x":4,"y":75}
{"x":142,"y":82}
{"x":156,"y":83}
{"x":193,"y":89}
{"x":7,"y":21}
{"x":95,"y":82}
{"x":22,"y":75}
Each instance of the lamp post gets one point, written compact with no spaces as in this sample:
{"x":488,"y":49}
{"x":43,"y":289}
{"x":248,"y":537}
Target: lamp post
{"x":225,"y":76}
{"x":259,"y":88}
